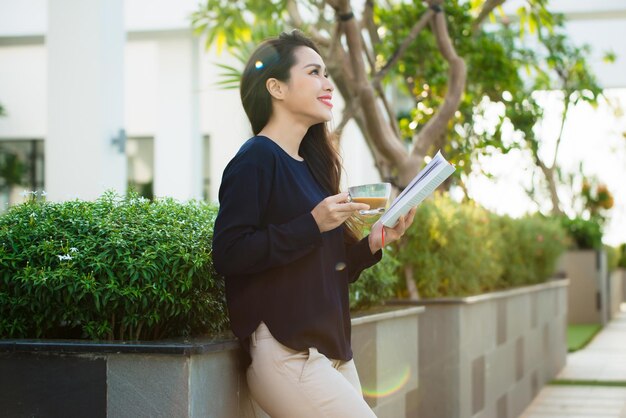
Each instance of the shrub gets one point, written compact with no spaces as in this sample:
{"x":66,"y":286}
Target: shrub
{"x":585,"y":234}
{"x":533,"y":246}
{"x":376,"y":284}
{"x":622,"y":256}
{"x":452,"y":249}
{"x":612,"y":257}
{"x":116,"y":268}
{"x":461,"y":249}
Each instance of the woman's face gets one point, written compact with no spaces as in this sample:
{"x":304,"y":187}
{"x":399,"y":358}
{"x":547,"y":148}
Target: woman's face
{"x":309,"y":91}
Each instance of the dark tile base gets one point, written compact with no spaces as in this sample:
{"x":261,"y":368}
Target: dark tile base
{"x":412,"y":403}
{"x":478,"y":384}
{"x":502,"y":407}
{"x":45,"y":386}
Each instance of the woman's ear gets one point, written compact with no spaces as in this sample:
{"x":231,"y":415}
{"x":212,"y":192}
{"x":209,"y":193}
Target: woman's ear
{"x":275,"y":88}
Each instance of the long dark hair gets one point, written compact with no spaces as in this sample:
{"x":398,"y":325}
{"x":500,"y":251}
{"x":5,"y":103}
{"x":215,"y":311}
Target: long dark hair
{"x":274,"y":58}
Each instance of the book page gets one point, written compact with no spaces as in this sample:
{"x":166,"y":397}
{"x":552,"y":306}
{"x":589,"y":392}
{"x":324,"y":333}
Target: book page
{"x":424,"y":183}
{"x":438,"y":159}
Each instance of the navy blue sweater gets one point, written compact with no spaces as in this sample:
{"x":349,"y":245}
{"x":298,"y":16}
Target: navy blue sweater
{"x":278,"y":267}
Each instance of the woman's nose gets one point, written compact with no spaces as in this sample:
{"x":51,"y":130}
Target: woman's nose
{"x":329,"y":85}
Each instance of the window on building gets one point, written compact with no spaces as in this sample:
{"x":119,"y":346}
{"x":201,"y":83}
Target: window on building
{"x":140,"y":157}
{"x":140,"y":165}
{"x":21,"y":170}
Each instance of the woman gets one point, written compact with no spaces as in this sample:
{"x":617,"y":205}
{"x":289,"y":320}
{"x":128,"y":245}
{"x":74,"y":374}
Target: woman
{"x":283,"y":242}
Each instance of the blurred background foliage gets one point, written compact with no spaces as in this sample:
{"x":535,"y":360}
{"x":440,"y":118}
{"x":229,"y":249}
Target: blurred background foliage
{"x":461,"y":249}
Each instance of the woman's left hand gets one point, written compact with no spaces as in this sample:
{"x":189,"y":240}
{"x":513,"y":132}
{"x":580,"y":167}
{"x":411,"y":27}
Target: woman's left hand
{"x":391,"y":234}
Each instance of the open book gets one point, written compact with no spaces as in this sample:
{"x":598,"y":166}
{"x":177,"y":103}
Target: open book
{"x":422,"y":185}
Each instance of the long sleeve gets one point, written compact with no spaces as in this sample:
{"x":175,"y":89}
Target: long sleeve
{"x":360,"y":257}
{"x":278,"y":267}
{"x":242,"y":244}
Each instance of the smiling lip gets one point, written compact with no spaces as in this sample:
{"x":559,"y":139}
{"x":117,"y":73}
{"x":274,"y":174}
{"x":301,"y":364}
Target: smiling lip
{"x":326,"y":100}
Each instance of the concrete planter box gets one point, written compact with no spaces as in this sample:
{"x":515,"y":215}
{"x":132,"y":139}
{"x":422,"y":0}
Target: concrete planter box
{"x":489,"y":355}
{"x":385,"y":347}
{"x":588,"y":298}
{"x":195,"y":378}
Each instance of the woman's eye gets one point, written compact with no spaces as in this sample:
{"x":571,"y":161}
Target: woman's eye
{"x":316,"y":72}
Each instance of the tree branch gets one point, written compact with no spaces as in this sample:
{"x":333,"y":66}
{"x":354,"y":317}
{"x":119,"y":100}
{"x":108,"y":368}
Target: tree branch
{"x":368,"y":22}
{"x":298,"y":22}
{"x":294,"y":13}
{"x":558,"y":139}
{"x":336,"y":4}
{"x":349,"y":112}
{"x":484,"y":12}
{"x":382,"y":164}
{"x":371,"y":60}
{"x":398,"y":53}
{"x":456,"y":85}
{"x":340,"y":70}
{"x":352,"y":105}
{"x":384,"y":138}
{"x":390,"y":114}
{"x":335,"y":42}
{"x":548,"y":173}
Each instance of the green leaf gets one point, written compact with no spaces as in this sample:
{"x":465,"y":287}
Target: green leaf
{"x":609,"y":57}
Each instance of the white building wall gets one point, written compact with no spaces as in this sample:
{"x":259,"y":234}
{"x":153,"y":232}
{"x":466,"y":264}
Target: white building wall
{"x":222,"y":117}
{"x":140,"y":87}
{"x":23,"y":18}
{"x":600,"y":24}
{"x":177,"y":142}
{"x":85,"y":102}
{"x":23,"y":91}
{"x":601,"y":35}
{"x":148,"y":23}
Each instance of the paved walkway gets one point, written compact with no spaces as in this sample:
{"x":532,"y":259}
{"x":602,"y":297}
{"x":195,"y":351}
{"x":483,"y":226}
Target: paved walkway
{"x":604,"y":359}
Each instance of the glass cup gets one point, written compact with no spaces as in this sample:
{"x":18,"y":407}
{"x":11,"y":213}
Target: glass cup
{"x":376,"y":195}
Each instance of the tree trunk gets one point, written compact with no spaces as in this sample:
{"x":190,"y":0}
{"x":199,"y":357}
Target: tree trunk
{"x":554,"y":196}
{"x":383,"y":140}
{"x":410,"y":282}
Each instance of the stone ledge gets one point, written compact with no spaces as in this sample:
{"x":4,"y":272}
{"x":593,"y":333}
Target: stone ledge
{"x":396,"y":313}
{"x":186,"y":347}
{"x":179,"y":347}
{"x":467,"y":300}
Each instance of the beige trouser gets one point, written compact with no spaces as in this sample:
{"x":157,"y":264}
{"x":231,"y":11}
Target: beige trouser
{"x":300,"y":384}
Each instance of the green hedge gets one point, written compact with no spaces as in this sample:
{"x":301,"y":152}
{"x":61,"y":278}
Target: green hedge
{"x":451,"y":249}
{"x":612,"y":257}
{"x":462,"y":249}
{"x":585,"y":234}
{"x":622,"y":256}
{"x":532,"y":246}
{"x":376,"y":284}
{"x":116,"y":268}
{"x":129,"y":268}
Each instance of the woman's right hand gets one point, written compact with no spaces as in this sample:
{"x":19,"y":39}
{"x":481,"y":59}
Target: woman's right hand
{"x":334,"y":210}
